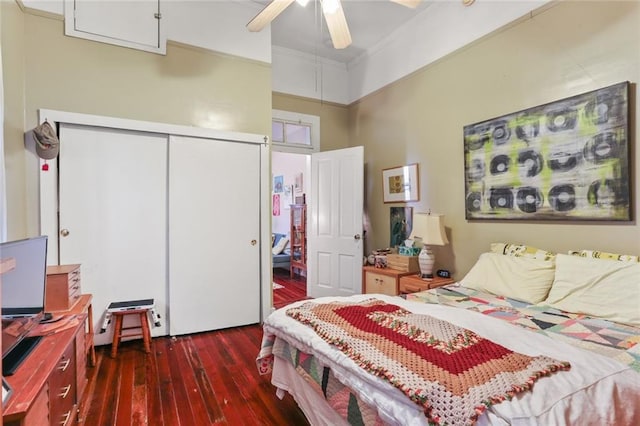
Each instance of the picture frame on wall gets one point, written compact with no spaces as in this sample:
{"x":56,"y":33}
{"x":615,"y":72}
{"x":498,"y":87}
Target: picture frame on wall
{"x":565,"y":160}
{"x":401,"y":184}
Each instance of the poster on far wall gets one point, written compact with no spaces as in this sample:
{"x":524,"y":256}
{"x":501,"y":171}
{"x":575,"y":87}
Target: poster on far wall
{"x":276,"y":205}
{"x":298,"y":182}
{"x":565,"y":160}
{"x":278,"y":184}
{"x":401,"y":219}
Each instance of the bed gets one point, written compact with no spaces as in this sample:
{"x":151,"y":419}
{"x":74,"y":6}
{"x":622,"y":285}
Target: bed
{"x":568,"y":327}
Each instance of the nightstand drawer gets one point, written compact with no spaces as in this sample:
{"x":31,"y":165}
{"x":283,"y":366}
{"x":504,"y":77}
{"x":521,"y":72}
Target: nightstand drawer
{"x":413,"y":283}
{"x":378,"y":283}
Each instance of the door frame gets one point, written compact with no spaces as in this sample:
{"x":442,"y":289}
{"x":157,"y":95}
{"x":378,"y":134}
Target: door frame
{"x":48,"y":182}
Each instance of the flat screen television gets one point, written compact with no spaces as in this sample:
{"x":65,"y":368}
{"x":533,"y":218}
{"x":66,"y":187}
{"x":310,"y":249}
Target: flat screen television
{"x":23,"y":289}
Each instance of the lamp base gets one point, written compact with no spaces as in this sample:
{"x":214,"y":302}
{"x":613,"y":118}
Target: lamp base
{"x":426,"y":260}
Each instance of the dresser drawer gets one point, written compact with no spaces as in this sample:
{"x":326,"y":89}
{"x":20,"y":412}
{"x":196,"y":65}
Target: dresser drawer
{"x":378,"y":283}
{"x":62,"y":388}
{"x":63,"y":287}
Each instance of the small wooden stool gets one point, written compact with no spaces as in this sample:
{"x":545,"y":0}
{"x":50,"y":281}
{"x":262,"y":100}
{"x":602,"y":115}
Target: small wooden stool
{"x":143,"y":327}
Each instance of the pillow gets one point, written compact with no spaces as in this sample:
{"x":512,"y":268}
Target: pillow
{"x":279,"y":247}
{"x":520,"y":278}
{"x":609,"y":290}
{"x":273,"y":239}
{"x":521,"y":250}
{"x":604,"y":255}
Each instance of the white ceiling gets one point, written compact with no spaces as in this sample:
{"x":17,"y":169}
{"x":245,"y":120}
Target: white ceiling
{"x":369,"y":21}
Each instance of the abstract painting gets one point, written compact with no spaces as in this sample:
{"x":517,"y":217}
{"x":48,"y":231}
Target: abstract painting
{"x":566,"y":160}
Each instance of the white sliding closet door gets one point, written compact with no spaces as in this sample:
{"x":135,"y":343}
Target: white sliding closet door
{"x":214,"y":234}
{"x":113,"y":221}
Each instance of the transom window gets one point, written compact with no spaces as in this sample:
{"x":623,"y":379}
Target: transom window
{"x":295,"y":132}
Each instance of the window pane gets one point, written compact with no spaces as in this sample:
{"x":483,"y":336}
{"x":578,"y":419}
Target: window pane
{"x":297,"y":134}
{"x":277,"y":131}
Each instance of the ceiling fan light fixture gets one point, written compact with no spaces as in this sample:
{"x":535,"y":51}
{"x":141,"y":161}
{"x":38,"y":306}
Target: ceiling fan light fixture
{"x":302,"y":3}
{"x":330,"y":6}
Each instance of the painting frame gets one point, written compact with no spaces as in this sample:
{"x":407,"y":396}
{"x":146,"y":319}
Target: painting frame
{"x":401,"y":225}
{"x":401,"y":184}
{"x":566,"y":160}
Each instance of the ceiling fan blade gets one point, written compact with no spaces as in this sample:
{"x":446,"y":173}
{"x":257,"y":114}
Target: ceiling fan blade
{"x":268,"y":14}
{"x":338,"y":28}
{"x":409,"y":3}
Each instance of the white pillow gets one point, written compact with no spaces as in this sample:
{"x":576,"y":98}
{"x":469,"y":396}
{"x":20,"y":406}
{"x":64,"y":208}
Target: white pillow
{"x":520,"y":278}
{"x":282,"y":243}
{"x":598,"y":288}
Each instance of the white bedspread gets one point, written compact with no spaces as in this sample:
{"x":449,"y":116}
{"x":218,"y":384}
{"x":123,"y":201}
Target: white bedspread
{"x":595,"y":391}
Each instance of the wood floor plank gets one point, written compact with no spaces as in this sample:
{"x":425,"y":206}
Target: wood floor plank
{"x":125,"y":394}
{"x":168,"y":398}
{"x":152,"y":385}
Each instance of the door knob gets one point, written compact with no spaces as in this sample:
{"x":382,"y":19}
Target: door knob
{"x":254,"y":242}
{"x":64,"y":232}
{"x":356,"y":237}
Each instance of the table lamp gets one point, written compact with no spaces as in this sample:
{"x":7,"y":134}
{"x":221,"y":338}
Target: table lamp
{"x":429,"y":228}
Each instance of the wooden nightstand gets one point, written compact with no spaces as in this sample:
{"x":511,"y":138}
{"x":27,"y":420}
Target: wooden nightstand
{"x":382,"y":280}
{"x":413,"y":283}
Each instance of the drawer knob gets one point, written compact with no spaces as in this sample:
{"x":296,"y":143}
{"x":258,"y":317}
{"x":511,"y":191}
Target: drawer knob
{"x":63,"y":366}
{"x":65,"y":391}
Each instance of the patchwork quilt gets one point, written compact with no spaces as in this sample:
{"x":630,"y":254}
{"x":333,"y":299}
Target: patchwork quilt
{"x":607,"y":338}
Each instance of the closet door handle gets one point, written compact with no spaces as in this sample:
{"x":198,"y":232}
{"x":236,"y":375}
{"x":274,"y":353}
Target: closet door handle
{"x":64,"y":232}
{"x":356,"y":237}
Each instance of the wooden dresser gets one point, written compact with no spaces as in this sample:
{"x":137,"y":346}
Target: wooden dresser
{"x":49,"y":385}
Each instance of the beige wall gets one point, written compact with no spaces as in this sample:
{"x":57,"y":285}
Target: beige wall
{"x":571,"y":48}
{"x":334,"y":118}
{"x":188,"y":86}
{"x":13,"y":76}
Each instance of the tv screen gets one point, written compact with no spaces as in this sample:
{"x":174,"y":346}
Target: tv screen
{"x":23,"y":287}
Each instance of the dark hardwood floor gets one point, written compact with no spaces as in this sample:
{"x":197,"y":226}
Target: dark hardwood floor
{"x":200,"y":379}
{"x":294,"y":288}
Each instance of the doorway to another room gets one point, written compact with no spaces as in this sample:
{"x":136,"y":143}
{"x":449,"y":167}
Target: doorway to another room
{"x":290,"y":173}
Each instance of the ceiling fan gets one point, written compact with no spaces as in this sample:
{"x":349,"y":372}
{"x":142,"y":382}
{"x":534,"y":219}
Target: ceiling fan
{"x":333,"y":15}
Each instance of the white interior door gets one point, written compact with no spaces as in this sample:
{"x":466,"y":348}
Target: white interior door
{"x":214,"y":234}
{"x":334,"y":223}
{"x":112,"y":215}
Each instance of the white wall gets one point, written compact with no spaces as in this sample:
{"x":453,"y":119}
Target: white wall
{"x":287,"y":165}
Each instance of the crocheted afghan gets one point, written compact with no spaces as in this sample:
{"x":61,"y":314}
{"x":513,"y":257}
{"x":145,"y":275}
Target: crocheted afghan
{"x":451,"y":372}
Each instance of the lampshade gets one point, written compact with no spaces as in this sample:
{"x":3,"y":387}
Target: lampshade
{"x":429,"y":228}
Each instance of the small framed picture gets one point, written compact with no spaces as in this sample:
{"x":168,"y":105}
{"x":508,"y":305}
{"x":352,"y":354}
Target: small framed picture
{"x":401,"y":184}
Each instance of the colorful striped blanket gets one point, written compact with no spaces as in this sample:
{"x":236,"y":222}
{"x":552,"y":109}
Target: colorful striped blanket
{"x":451,"y":372}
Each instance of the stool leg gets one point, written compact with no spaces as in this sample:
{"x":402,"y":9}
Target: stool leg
{"x":117,"y":332}
{"x":146,"y":333}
